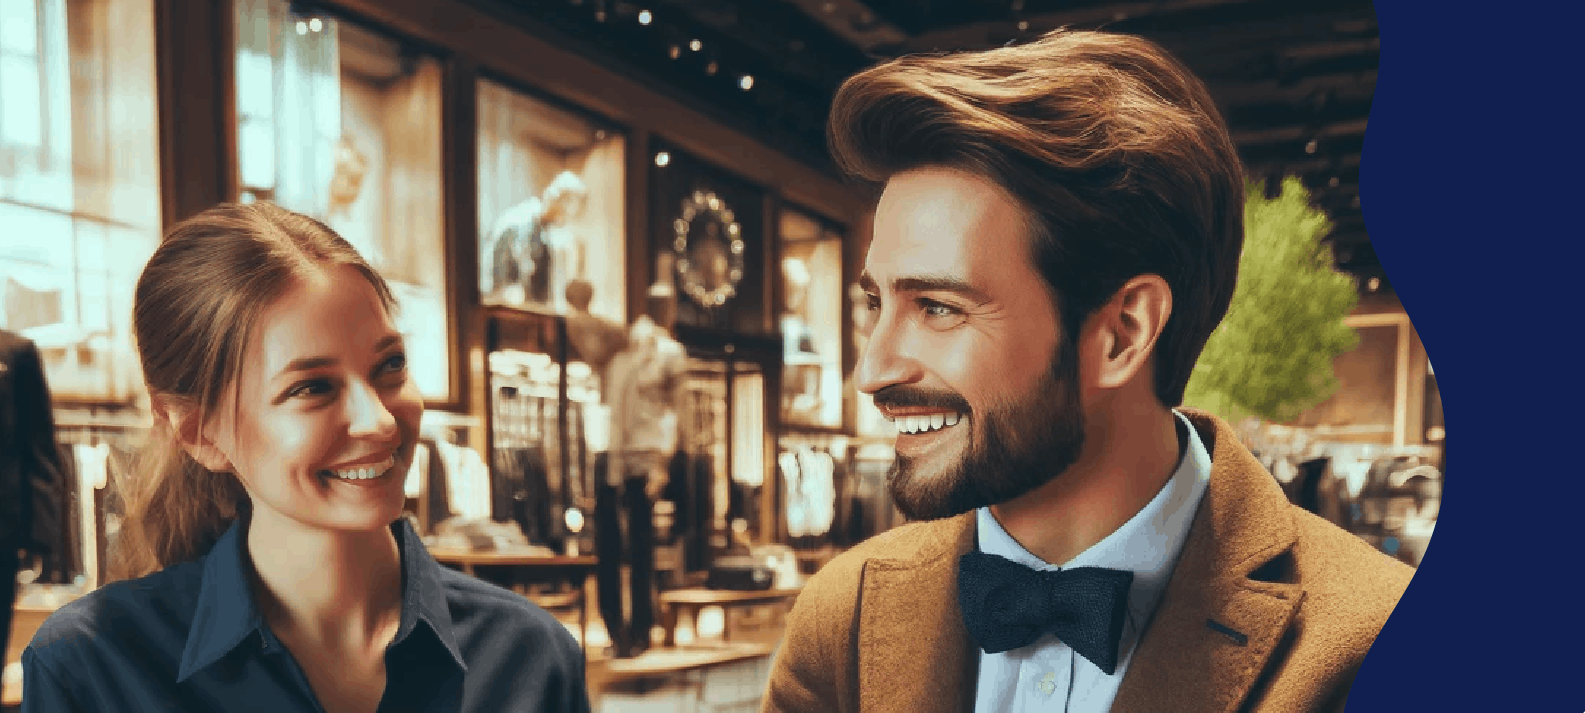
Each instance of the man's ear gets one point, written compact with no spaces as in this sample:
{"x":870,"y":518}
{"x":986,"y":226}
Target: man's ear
{"x":1127,"y":328}
{"x":183,"y":417}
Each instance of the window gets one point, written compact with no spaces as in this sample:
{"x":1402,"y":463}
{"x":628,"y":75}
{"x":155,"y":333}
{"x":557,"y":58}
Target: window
{"x":79,"y":185}
{"x":551,"y":206}
{"x":341,"y":123}
{"x":811,"y":321}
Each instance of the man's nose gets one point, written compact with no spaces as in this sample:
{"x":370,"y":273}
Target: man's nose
{"x":886,"y":361}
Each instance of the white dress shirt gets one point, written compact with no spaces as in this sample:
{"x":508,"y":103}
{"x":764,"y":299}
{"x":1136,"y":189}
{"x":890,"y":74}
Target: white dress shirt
{"x":1046,"y":675}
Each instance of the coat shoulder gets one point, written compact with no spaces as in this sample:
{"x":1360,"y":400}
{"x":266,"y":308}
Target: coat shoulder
{"x":837,"y":583}
{"x":1348,"y":585}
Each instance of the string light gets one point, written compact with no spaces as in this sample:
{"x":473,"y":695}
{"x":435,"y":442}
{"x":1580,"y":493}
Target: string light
{"x":302,"y":27}
{"x":662,"y":158}
{"x":1023,"y":25}
{"x":1334,"y":182}
{"x":1310,"y":147}
{"x":747,"y":82}
{"x":674,"y":51}
{"x":711,"y":68}
{"x":315,"y":25}
{"x":695,"y":45}
{"x":644,"y":17}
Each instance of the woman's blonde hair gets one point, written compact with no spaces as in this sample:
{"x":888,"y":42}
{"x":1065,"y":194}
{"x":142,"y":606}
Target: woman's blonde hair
{"x":195,"y":307}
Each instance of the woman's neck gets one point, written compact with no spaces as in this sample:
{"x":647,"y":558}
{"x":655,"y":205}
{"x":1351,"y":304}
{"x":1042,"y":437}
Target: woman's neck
{"x":340,"y":591}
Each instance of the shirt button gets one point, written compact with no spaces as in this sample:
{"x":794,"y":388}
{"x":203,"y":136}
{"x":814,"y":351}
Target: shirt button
{"x":1047,"y":683}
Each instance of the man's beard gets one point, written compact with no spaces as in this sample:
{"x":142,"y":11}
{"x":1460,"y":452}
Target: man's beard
{"x":1015,"y":447}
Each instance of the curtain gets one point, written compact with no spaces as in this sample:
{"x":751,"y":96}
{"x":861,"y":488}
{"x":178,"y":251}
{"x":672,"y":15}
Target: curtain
{"x":288,"y":104}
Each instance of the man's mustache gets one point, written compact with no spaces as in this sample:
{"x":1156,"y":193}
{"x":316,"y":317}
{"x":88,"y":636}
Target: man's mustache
{"x":900,"y":396}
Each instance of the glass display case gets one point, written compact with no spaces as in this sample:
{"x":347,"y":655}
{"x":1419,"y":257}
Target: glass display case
{"x":811,"y":321}
{"x":79,"y":186}
{"x":551,"y":208}
{"x":343,"y":124}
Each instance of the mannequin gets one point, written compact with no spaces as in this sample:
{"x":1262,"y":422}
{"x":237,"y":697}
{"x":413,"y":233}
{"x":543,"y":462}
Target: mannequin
{"x":646,"y":392}
{"x":596,"y":338}
{"x":531,"y":254}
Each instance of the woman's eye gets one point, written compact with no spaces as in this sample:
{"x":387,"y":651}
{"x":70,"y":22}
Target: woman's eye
{"x":316,"y":387}
{"x":397,"y":362}
{"x":872,"y":303}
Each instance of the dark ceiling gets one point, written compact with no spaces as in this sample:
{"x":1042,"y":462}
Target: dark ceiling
{"x":1294,"y":78}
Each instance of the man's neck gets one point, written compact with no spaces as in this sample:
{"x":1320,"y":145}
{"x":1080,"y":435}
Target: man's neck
{"x":1127,"y":459}
{"x":336,"y":590}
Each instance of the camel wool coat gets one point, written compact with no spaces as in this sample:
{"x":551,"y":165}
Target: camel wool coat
{"x":1269,"y":609}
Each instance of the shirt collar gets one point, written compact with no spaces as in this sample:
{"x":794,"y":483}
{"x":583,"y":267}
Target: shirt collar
{"x":227,"y":614}
{"x":1147,"y":545}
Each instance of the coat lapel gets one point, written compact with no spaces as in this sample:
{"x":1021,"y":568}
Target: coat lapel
{"x":915,"y":654}
{"x":1216,"y":628}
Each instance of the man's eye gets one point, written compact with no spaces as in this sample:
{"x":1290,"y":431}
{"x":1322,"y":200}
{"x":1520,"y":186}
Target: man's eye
{"x":872,"y":303}
{"x":936,"y":309}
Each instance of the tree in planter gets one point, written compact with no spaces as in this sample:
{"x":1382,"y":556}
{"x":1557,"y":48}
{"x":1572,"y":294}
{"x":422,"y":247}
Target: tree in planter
{"x":1271,"y":357}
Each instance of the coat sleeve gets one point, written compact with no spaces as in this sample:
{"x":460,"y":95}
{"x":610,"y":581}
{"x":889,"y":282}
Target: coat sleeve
{"x":815,"y":670}
{"x":42,"y":467}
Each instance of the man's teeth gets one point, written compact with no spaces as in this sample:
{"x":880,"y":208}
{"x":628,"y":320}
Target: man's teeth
{"x":926,"y":423}
{"x":364,"y":473}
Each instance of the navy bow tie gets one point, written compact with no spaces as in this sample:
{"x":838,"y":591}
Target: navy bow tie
{"x":1007,"y":605}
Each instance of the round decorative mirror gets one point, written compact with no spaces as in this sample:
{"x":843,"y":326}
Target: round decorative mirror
{"x":709,"y":247}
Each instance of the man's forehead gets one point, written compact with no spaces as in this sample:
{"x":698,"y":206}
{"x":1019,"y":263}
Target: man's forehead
{"x":943,"y":223}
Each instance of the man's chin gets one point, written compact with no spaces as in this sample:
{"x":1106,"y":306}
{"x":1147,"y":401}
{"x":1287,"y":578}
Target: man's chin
{"x":923,"y":496}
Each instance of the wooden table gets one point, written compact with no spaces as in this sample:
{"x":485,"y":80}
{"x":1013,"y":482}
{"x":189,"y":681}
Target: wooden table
{"x":695,"y":599}
{"x":556,"y":568}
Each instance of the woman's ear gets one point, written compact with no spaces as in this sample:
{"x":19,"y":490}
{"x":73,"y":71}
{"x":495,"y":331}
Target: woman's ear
{"x":184,"y":419}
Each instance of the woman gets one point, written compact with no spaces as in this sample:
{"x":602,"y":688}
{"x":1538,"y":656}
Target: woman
{"x":273,"y":570}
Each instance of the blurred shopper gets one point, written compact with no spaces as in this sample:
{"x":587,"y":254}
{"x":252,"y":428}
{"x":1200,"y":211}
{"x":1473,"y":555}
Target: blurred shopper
{"x":31,"y":468}
{"x":263,"y":524}
{"x":1059,"y":234}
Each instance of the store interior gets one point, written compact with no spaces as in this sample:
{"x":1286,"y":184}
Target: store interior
{"x":542,"y":198}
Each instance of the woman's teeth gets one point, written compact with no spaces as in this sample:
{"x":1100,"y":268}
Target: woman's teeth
{"x":364,"y":473}
{"x":922,"y":424}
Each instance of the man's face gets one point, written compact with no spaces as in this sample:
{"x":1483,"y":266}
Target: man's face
{"x":965,"y":353}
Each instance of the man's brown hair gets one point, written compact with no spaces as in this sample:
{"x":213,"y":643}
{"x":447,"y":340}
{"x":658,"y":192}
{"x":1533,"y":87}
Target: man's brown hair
{"x":1115,"y":150}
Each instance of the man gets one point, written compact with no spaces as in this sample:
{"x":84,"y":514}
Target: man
{"x":1058,"y":235}
{"x":30,"y":467}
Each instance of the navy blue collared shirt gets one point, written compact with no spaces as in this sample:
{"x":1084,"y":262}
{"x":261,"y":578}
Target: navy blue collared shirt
{"x":191,"y":638}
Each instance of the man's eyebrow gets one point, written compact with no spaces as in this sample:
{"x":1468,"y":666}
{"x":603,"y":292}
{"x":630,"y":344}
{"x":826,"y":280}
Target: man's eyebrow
{"x":307,"y":363}
{"x":929,"y":283}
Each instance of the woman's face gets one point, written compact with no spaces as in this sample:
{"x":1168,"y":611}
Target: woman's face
{"x":327,"y":418}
